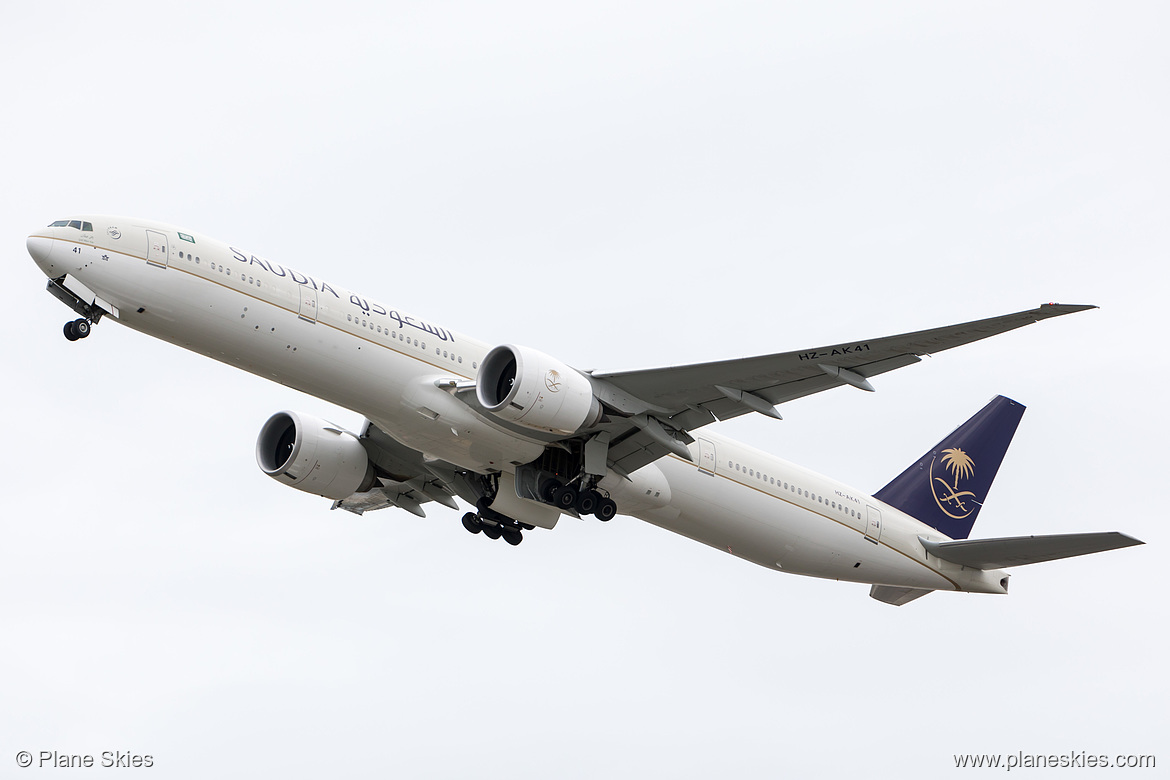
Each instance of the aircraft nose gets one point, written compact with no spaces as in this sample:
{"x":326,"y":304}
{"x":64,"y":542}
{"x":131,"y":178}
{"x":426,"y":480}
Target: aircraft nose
{"x":41,"y":250}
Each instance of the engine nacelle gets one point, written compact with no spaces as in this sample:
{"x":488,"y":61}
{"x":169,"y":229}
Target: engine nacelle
{"x":535,"y":390}
{"x":312,"y":455}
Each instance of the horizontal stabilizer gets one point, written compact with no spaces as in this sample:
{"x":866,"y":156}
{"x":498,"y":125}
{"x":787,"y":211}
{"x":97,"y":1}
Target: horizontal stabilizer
{"x":896,"y":596}
{"x":1020,"y":550}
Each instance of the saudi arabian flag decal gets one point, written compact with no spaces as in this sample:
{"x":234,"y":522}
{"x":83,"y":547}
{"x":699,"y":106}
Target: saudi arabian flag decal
{"x":186,"y":237}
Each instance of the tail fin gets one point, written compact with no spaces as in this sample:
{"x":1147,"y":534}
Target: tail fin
{"x":947,"y":486}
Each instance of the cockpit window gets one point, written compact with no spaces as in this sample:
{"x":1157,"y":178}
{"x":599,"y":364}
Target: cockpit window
{"x":74,"y":223}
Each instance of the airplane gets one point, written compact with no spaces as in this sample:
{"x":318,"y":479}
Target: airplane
{"x":525,"y":439}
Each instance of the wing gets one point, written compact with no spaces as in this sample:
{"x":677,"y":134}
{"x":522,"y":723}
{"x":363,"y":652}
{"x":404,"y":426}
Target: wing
{"x":405,"y":478}
{"x":662,"y":404}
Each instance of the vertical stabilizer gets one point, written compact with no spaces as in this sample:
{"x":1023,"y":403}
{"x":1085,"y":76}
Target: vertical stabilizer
{"x":947,"y":486}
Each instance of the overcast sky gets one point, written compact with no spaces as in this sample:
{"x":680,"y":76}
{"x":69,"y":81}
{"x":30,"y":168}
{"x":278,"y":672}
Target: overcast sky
{"x":622,"y":185}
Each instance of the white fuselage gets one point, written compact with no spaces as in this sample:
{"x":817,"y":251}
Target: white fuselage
{"x":379,"y":361}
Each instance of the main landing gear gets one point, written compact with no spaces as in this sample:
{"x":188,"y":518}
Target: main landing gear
{"x":77,"y":329}
{"x":495,"y":525}
{"x":583,"y":502}
{"x":542,"y":483}
{"x":509,"y":530}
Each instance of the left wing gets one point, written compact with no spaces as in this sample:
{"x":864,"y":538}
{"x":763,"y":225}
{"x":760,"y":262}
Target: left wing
{"x":404,"y":478}
{"x":662,"y":404}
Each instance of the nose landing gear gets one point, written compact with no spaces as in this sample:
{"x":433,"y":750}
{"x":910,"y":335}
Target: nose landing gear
{"x":77,"y":329}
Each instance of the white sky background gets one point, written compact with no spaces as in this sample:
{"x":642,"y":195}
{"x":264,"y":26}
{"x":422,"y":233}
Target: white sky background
{"x":621,"y":185}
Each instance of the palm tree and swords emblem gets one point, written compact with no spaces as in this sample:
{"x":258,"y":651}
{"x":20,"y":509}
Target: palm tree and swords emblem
{"x":952,"y":501}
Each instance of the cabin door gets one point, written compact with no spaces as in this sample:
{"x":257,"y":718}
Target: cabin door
{"x":156,"y":248}
{"x":873,"y":524}
{"x":707,"y":456}
{"x":308,"y":308}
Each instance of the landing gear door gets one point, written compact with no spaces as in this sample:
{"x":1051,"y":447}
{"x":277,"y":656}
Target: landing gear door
{"x":308,"y":308}
{"x":156,"y":248}
{"x":873,"y":524}
{"x":707,"y":456}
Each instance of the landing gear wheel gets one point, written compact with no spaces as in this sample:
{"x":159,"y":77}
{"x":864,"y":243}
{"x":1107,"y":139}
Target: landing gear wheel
{"x":564,"y":498}
{"x":81,"y":328}
{"x":492,"y":531}
{"x":513,"y":536}
{"x":548,"y":489}
{"x":587,"y":502}
{"x":606,"y":510}
{"x":471,"y":522}
{"x":71,"y":331}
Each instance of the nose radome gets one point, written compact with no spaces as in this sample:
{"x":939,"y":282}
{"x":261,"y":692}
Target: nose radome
{"x":41,"y":249}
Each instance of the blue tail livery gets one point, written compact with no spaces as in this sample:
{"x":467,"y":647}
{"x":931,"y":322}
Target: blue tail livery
{"x":947,"y":486}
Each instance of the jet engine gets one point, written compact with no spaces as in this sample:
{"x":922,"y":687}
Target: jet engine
{"x":312,"y":455}
{"x":535,"y":390}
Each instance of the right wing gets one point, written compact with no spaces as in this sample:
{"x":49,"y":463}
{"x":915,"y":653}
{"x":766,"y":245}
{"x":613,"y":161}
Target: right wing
{"x":678,"y":399}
